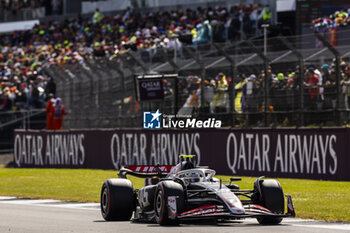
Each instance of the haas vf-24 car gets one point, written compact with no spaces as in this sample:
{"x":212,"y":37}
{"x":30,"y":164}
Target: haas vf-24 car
{"x":174,"y":194}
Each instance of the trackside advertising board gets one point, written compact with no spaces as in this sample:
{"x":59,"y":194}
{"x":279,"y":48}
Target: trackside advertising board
{"x":295,"y":153}
{"x":150,"y":89}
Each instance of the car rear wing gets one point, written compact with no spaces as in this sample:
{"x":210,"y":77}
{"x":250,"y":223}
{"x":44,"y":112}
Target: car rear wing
{"x":145,"y":171}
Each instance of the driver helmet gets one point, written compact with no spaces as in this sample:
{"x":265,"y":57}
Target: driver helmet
{"x":192,"y":177}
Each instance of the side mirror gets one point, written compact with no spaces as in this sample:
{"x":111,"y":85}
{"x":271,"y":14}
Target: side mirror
{"x":235,"y":179}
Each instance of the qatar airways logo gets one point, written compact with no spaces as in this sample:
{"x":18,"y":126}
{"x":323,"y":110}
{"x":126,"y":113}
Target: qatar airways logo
{"x":151,"y":86}
{"x":156,"y":120}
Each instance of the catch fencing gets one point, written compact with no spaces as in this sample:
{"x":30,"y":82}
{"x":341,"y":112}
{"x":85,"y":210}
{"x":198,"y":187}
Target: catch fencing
{"x":101,"y":92}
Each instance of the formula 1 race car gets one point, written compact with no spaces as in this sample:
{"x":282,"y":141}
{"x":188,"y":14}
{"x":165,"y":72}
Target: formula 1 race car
{"x":175,"y":194}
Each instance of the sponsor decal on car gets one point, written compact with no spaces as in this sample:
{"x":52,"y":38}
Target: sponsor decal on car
{"x":203,"y":210}
{"x":172,"y":207}
{"x":150,"y":169}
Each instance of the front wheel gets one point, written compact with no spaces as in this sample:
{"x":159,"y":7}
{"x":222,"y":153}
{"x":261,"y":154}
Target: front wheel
{"x":169,"y":201}
{"x":117,"y":200}
{"x":272,"y":198}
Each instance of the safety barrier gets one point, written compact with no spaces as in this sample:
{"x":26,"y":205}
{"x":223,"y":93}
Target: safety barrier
{"x":295,"y":153}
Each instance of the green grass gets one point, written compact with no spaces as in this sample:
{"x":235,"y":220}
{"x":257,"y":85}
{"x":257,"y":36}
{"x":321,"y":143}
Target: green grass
{"x":322,"y":200}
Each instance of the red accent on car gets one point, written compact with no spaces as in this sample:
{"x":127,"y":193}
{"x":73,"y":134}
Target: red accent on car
{"x":149,"y":169}
{"x":199,"y":209}
{"x":259,"y":207}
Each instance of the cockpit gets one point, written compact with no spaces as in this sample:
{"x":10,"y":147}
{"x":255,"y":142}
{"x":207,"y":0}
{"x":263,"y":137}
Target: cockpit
{"x":188,"y":172}
{"x":195,"y":175}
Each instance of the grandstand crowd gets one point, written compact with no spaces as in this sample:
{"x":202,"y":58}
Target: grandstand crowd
{"x":319,"y":94}
{"x":14,"y":5}
{"x":25,"y":54}
{"x":337,"y":19}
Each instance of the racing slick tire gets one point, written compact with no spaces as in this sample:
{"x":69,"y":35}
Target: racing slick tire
{"x":272,"y":198}
{"x":117,"y":200}
{"x":166,"y":189}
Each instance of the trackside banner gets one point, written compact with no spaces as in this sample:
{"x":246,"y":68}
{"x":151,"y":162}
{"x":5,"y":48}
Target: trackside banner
{"x":294,"y":153}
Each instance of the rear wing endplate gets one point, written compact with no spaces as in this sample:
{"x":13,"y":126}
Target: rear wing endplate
{"x":145,"y":171}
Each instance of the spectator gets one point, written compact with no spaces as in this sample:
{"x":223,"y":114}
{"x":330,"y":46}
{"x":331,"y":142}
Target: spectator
{"x":310,"y":99}
{"x":312,"y":89}
{"x":320,"y":97}
{"x":58,"y":111}
{"x":210,"y":88}
{"x":204,"y":33}
{"x":247,"y":24}
{"x":250,"y":99}
{"x":345,"y":97}
{"x":238,"y":90}
{"x":265,"y":15}
{"x":21,"y":98}
{"x":278,"y":92}
{"x":51,"y":87}
{"x":191,"y":103}
{"x":219,"y":32}
{"x":254,"y":15}
{"x":220,"y":100}
{"x":49,"y":110}
{"x":97,"y":17}
{"x":234,"y":25}
{"x":5,"y":102}
{"x":329,"y":87}
{"x":35,"y":95}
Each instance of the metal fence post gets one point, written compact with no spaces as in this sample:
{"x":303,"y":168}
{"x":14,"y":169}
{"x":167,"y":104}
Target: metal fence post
{"x":176,"y":70}
{"x":266,"y":83}
{"x":124,"y":62}
{"x":203,"y":72}
{"x":301,"y":75}
{"x":91,"y":95}
{"x":233,"y":73}
{"x":169,"y":60}
{"x":122,"y":76}
{"x":138,"y":61}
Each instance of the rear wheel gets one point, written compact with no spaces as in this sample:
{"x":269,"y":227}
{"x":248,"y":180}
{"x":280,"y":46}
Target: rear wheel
{"x":166,"y":209}
{"x":272,"y":198}
{"x":117,"y":200}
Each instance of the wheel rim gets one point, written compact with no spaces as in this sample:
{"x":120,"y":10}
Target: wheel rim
{"x":159,"y":203}
{"x":104,"y":200}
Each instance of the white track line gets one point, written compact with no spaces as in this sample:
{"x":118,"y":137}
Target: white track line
{"x":334,"y":226}
{"x":49,"y":203}
{"x":288,"y":220}
{"x":29,"y":201}
{"x":297,"y":222}
{"x":310,"y":223}
{"x":92,"y":206}
{"x":7,"y":198}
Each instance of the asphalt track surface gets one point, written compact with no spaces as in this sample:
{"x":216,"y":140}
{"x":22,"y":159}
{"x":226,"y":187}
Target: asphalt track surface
{"x":50,"y":216}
